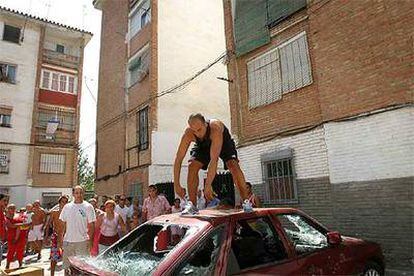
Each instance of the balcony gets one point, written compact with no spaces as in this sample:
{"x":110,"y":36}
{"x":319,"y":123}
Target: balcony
{"x":56,"y":58}
{"x":61,"y":137}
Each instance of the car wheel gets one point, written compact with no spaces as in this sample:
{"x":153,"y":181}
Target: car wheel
{"x":373,"y":269}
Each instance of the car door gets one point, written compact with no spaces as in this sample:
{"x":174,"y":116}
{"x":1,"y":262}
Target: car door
{"x":314,"y":255}
{"x":256,"y":248}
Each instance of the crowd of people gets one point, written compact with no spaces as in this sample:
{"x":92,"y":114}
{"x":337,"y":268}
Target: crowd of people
{"x":79,"y":227}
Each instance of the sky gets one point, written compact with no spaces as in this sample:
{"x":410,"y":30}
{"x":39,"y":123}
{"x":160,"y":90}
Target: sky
{"x":80,"y":14}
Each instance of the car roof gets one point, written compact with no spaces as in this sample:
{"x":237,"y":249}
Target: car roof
{"x":216,"y":215}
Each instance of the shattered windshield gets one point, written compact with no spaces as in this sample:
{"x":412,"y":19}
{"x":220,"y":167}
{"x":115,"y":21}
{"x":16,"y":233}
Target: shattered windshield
{"x":142,"y":250}
{"x":302,"y":234}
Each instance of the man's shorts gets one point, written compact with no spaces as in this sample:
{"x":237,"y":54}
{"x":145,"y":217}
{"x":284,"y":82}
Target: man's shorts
{"x":202,"y":154}
{"x":74,"y":249}
{"x":55,"y":251}
{"x":36,"y":234}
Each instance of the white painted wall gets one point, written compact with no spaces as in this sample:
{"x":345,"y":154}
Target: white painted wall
{"x":376,"y":147}
{"x":20,"y":97}
{"x":198,"y":39}
{"x":164,"y":147}
{"x":309,"y":155}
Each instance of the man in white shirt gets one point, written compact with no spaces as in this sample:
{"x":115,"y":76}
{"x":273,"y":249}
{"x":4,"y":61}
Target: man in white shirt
{"x":122,"y":210}
{"x":77,"y":219}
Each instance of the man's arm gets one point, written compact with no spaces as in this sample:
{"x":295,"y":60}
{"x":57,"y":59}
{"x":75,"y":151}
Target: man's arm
{"x":216,"y":145}
{"x":144,"y":211}
{"x":181,"y":152}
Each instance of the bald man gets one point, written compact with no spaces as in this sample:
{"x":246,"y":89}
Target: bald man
{"x":212,"y":141}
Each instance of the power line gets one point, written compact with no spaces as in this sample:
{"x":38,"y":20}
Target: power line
{"x":89,"y":90}
{"x":174,"y":89}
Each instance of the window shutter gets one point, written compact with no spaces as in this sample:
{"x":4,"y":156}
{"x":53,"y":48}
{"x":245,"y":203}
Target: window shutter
{"x":296,"y":71}
{"x":278,"y":10}
{"x":264,"y":79}
{"x":11,"y":34}
{"x":250,"y":25}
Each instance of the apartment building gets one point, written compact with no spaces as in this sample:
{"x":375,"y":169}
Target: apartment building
{"x":321,"y":103}
{"x":40,"y":91}
{"x":149,"y":51}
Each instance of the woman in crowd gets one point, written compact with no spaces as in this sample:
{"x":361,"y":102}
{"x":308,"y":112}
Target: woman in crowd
{"x":108,"y":224}
{"x":16,"y":236}
{"x":98,"y":213}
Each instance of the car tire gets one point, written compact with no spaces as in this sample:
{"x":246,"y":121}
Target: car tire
{"x":373,"y":269}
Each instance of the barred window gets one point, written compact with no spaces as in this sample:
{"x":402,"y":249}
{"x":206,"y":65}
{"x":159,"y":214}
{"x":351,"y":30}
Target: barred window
{"x":280,"y":70}
{"x":142,"y":129}
{"x":11,"y":34}
{"x":279,"y":180}
{"x":4,"y":160}
{"x":52,"y":163}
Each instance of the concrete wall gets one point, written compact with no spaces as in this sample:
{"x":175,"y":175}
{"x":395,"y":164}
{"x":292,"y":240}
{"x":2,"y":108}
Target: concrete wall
{"x":377,"y":147}
{"x":20,"y":97}
{"x":198,"y":39}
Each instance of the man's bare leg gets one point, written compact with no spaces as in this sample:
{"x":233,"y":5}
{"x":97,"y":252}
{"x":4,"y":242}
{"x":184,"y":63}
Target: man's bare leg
{"x":238,"y":177}
{"x":192,"y":180}
{"x":52,"y":268}
{"x":39,"y":248}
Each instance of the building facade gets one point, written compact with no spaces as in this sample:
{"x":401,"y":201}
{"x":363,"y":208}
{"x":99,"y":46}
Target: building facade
{"x":150,"y":51}
{"x":40,"y":83}
{"x":321,"y":103}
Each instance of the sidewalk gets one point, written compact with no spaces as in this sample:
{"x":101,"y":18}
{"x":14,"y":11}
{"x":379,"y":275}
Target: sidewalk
{"x":44,"y":262}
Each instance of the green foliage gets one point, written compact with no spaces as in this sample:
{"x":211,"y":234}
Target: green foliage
{"x":86,"y":174}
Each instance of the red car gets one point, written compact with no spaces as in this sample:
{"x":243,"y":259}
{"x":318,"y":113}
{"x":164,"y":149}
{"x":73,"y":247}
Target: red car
{"x":270,"y":241}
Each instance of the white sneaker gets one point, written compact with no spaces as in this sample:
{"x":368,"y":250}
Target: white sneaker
{"x":189,"y":209}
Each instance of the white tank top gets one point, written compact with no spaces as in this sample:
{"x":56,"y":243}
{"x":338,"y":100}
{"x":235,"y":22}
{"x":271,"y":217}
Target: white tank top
{"x":109,"y":228}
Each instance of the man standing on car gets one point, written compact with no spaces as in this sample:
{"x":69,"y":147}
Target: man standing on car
{"x":212,"y":140}
{"x":78,"y":219}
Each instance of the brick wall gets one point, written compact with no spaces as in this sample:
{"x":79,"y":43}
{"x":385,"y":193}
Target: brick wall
{"x":110,"y":148}
{"x":355,"y":68}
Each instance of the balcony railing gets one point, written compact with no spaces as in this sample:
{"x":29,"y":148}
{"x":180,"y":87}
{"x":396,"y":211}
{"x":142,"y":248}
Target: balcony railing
{"x":56,"y":58}
{"x":60,"y":137}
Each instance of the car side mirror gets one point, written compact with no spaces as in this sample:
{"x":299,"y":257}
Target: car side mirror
{"x":334,"y":238}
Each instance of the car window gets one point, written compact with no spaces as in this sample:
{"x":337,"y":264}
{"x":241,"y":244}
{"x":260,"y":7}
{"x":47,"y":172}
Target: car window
{"x":141,"y":251}
{"x":203,"y":259}
{"x":302,"y":234}
{"x":255,"y":242}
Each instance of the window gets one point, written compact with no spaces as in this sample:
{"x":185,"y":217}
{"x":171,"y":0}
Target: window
{"x":255,"y":242}
{"x":302,"y":234}
{"x":11,"y":34}
{"x":71,"y":84}
{"x":203,"y":259}
{"x":55,"y":82}
{"x":60,"y":48}
{"x":142,"y":127}
{"x":5,"y":120}
{"x":52,"y":163}
{"x":280,"y":70}
{"x":7,"y":73}
{"x":280,"y":184}
{"x":66,"y":119}
{"x":140,"y":16}
{"x":4,"y":160}
{"x":135,"y":190}
{"x":60,"y":82}
{"x":138,"y":66}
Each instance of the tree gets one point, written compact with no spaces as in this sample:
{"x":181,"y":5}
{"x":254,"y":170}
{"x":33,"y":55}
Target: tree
{"x":86,"y":174}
